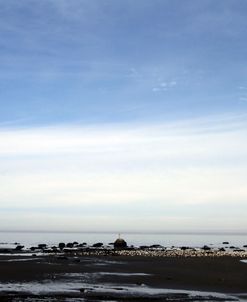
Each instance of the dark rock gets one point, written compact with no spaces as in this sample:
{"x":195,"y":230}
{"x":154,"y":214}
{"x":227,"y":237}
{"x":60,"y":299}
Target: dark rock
{"x":33,"y":248}
{"x":70,"y":245}
{"x":245,"y":245}
{"x":98,"y":244}
{"x":61,"y":245}
{"x":120,"y":244}
{"x":143,"y":247}
{"x":232,"y":247}
{"x":130,"y":248}
{"x":184,"y":248}
{"x":222,"y":250}
{"x":75,"y":243}
{"x":225,"y":242}
{"x":19,"y":247}
{"x":206,"y":248}
{"x":156,"y":246}
{"x":82,"y":244}
{"x":42,"y":246}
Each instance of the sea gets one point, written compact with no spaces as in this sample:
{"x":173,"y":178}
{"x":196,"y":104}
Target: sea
{"x":29,"y":239}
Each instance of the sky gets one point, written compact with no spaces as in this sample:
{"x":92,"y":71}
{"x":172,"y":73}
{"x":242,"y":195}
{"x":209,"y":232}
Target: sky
{"x":123,"y":116}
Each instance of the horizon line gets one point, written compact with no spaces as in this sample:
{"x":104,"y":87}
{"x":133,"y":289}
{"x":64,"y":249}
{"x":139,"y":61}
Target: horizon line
{"x":205,"y":232}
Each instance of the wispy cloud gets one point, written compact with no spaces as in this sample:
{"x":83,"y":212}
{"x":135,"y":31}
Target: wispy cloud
{"x":243,"y":98}
{"x":128,"y":166}
{"x":164,"y":86}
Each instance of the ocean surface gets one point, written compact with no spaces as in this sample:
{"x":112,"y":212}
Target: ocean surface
{"x":29,"y":239}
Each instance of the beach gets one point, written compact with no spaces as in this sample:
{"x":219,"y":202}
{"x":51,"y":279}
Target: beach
{"x":120,"y":278}
{"x":77,"y":271}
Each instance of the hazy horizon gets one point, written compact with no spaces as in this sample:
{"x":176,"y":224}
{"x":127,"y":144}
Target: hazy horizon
{"x":230,"y":233}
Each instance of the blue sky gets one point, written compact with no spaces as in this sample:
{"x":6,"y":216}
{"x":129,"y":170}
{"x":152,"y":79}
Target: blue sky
{"x":98,"y":61}
{"x":123,"y":111}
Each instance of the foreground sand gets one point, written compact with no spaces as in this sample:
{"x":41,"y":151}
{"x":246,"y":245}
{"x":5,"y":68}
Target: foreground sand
{"x":220,"y":274}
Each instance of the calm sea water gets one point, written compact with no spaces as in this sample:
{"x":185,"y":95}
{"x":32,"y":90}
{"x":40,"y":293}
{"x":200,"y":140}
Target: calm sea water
{"x":194,"y":240}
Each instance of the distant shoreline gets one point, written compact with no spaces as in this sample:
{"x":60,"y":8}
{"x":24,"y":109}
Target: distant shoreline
{"x":230,"y":233}
{"x":114,"y":249}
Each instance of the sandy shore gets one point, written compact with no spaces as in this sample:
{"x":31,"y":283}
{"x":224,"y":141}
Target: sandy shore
{"x":22,"y":275}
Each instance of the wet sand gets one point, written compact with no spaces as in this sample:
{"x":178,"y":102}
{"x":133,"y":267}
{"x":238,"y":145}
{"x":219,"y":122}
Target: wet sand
{"x":220,"y":274}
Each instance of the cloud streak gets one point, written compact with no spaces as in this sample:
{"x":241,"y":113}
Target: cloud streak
{"x":140,"y":166}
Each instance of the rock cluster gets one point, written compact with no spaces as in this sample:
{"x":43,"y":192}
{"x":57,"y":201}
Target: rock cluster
{"x":120,"y":248}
